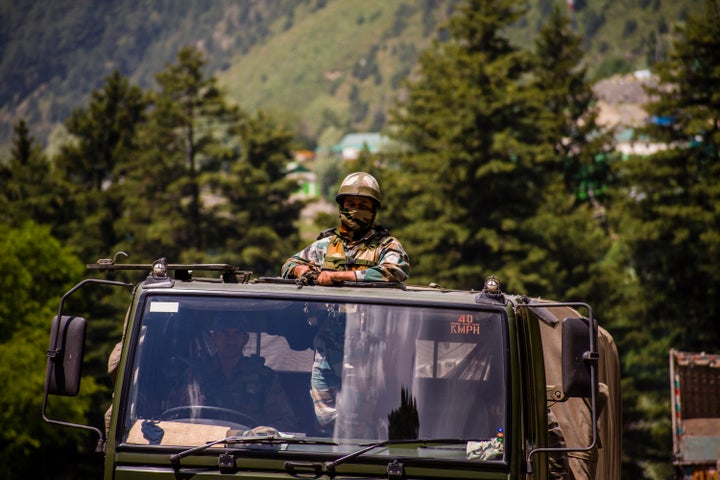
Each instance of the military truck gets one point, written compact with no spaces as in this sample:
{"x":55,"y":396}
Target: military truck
{"x":695,"y":400}
{"x":429,"y":382}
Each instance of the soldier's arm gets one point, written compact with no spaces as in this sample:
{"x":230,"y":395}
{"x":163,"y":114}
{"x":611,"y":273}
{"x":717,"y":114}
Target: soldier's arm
{"x":393,"y":264}
{"x":309,"y":258}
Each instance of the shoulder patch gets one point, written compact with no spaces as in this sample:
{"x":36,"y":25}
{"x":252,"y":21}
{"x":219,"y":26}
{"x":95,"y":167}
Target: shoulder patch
{"x":326,"y":233}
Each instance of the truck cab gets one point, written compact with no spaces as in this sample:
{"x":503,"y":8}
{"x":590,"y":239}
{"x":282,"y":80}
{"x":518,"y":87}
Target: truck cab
{"x":227,"y":374}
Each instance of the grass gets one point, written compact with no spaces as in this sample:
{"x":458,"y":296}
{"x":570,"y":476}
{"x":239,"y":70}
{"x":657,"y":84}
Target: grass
{"x":311,"y":66}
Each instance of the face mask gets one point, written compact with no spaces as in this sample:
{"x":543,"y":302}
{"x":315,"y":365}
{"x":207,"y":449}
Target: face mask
{"x":356,"y":220}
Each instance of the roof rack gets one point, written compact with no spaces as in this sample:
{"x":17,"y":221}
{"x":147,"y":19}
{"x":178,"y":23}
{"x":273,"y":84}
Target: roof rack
{"x":183,"y":271}
{"x":301,"y":283}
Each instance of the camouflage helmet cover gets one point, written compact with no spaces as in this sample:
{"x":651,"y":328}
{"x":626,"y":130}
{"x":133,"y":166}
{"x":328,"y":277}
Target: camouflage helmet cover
{"x":360,"y":184}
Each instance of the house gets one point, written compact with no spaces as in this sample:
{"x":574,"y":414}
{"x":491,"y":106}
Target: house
{"x":353,"y":143}
{"x":306,"y":179}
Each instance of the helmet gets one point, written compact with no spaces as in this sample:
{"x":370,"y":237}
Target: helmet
{"x":360,"y":184}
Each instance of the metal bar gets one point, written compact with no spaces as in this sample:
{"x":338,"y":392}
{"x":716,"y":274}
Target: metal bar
{"x":592,"y":360}
{"x":54,"y":352}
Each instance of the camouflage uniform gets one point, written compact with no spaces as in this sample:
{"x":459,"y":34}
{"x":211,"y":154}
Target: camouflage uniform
{"x":376,"y":257}
{"x":325,"y":381}
{"x":358,"y":245}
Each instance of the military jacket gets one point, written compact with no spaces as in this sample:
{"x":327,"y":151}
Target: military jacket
{"x":376,"y":257}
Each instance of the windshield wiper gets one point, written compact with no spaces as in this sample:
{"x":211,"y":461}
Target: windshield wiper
{"x":276,"y":439}
{"x":328,"y":468}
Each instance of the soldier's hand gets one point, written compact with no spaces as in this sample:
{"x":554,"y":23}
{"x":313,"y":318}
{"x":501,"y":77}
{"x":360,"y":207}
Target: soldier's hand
{"x":300,"y":270}
{"x":325,"y":278}
{"x":329,"y":277}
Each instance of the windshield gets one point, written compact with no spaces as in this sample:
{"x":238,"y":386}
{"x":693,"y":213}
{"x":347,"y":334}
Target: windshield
{"x":208,"y":367}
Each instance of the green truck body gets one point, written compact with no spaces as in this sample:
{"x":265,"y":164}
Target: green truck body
{"x":429,"y":382}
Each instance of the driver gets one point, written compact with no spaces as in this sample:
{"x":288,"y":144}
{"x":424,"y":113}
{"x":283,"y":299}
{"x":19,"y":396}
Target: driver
{"x":230,"y":380}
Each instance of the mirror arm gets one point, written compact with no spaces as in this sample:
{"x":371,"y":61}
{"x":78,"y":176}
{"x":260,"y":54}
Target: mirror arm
{"x":54,"y":353}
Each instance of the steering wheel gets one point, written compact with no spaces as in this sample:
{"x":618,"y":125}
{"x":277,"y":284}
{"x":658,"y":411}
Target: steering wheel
{"x":209,"y":411}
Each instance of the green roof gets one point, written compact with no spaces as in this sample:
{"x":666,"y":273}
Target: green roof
{"x":372,"y":141}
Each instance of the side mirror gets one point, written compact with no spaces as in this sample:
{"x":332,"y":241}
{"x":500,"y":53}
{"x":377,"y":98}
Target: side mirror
{"x":65,"y":357}
{"x":577,"y":358}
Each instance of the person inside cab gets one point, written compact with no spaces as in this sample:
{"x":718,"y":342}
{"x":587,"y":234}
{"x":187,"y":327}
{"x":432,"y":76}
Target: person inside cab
{"x":238,"y":387}
{"x":358,"y":249}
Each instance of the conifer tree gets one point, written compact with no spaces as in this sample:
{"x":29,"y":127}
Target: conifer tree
{"x":672,"y":198}
{"x":469,"y":177}
{"x":668,"y":210}
{"x":182,"y":141}
{"x":29,"y":191}
{"x":566,"y":236}
{"x":104,"y":139}
{"x":210,"y":183}
{"x":254,"y":219}
{"x":567,"y":112}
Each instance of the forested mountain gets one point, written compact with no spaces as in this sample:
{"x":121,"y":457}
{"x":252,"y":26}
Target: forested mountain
{"x":326,"y":66}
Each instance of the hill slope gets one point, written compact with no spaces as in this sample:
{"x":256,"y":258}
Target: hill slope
{"x":326,"y":66}
{"x":336,"y":67}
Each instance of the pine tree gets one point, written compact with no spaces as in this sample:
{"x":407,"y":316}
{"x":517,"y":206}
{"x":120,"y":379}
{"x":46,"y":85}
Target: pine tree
{"x":210,"y":183}
{"x":29,"y":191}
{"x":568,"y":111}
{"x":668,"y":210}
{"x":566,"y":237}
{"x":254,"y":220}
{"x":673,"y":196}
{"x":182,"y":141}
{"x":92,"y":164}
{"x":469,"y":177}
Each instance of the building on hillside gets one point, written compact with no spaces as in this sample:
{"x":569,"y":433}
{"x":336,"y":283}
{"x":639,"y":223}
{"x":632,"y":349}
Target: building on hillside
{"x":629,"y":143}
{"x":353,"y":143}
{"x":305,"y":178}
{"x":621,"y":101}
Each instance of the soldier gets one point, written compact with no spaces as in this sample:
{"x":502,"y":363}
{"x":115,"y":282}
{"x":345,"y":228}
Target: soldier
{"x":357,"y":250}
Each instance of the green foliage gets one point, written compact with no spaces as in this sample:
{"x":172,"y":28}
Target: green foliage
{"x":36,"y":272}
{"x":93,"y":165}
{"x":254,"y":225}
{"x":209,"y":180}
{"x":672,"y":196}
{"x":613,"y":66}
{"x":36,"y":268}
{"x":135,"y":178}
{"x":29,"y":190}
{"x":189,"y":115}
{"x":629,"y":28}
{"x":667,"y":211}
{"x":105,"y":134}
{"x":54,"y":52}
{"x":561,"y":258}
{"x":575,"y":145}
{"x":328,"y":52}
{"x":491,"y":143}
{"x":502,"y":170}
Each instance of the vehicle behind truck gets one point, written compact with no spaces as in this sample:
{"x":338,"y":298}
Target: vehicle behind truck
{"x":695,"y":399}
{"x":427,"y":382}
